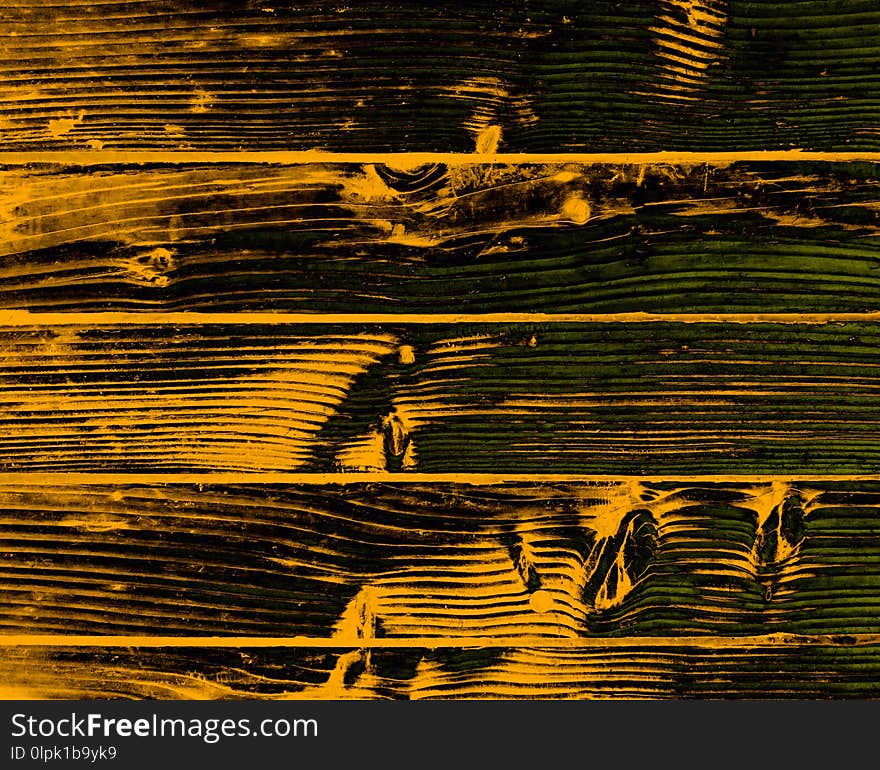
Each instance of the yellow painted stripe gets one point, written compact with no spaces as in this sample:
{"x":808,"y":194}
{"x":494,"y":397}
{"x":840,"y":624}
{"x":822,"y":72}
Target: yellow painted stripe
{"x":26,"y":318}
{"x":763,"y":640}
{"x":414,"y":159}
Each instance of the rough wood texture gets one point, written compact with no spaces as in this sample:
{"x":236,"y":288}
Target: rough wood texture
{"x":797,"y":670}
{"x":647,"y":586}
{"x":617,"y":398}
{"x":551,"y":75}
{"x":363,"y":562}
{"x":777,"y":237}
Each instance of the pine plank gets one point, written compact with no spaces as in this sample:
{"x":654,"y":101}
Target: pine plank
{"x":644,"y":398}
{"x":473,"y":237}
{"x":798,"y":670}
{"x":554,"y":75}
{"x":513,"y":564}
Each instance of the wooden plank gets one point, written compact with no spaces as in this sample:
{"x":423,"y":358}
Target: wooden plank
{"x":511,"y":564}
{"x":478,"y":237}
{"x":654,"y":398}
{"x":370,"y":75}
{"x":803,"y":670}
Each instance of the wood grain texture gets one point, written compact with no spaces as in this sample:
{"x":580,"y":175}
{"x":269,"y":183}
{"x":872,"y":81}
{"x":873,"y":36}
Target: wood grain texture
{"x":366,"y":238}
{"x":430,"y":588}
{"x":512,"y":564}
{"x":607,"y":398}
{"x":800,"y":670}
{"x":373,"y":75}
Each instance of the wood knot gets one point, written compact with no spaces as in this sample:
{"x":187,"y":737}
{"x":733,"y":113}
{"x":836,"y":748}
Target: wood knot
{"x":618,"y":562}
{"x":780,"y":535}
{"x":395,"y":441}
{"x":153,"y":267}
{"x":524,"y":566}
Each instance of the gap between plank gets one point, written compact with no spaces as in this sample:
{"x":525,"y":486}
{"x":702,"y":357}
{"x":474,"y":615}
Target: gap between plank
{"x":475,"y":479}
{"x":405,"y":160}
{"x":570,"y":643}
{"x":14,"y":318}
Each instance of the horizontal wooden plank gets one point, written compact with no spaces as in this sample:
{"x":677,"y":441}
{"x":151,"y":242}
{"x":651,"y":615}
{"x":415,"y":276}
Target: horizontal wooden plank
{"x":472,"y":238}
{"x":775,"y":671}
{"x":370,"y":75}
{"x":604,"y":398}
{"x":368,"y":563}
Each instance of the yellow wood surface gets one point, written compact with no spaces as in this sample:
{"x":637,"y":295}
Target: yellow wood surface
{"x":409,"y":351}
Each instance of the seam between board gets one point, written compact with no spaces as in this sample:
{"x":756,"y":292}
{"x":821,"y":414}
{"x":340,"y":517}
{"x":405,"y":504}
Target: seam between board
{"x":570,"y":643}
{"x":415,"y":159}
{"x":62,"y":478}
{"x":15,"y":318}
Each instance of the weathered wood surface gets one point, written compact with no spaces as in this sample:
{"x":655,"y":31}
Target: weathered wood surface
{"x":507,"y":564}
{"x":552,"y":75}
{"x":796,"y":670}
{"x":610,"y":398}
{"x":439,"y":589}
{"x":365,"y":238}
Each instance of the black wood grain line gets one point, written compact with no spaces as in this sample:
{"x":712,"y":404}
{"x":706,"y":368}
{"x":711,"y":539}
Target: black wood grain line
{"x":372,"y":75}
{"x":365,"y":238}
{"x":783,"y":671}
{"x":373,"y":563}
{"x":607,"y":398}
